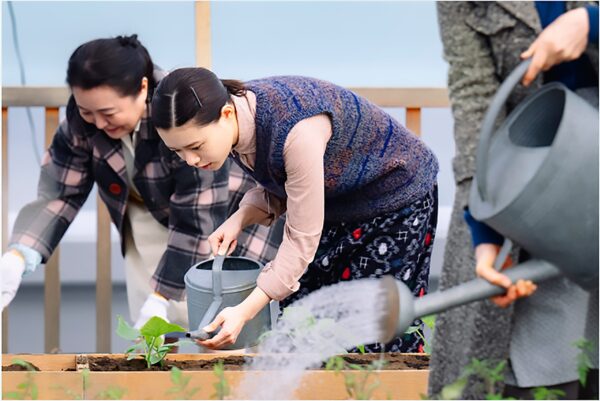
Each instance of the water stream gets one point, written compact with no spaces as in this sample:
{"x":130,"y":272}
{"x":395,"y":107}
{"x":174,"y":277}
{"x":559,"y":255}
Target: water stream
{"x":322,"y":324}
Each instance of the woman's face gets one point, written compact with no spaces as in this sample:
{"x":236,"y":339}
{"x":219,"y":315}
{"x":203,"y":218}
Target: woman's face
{"x":205,"y":147}
{"x":109,"y":111}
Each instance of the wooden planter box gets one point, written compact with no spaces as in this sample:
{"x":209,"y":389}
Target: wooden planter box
{"x":61,"y":377}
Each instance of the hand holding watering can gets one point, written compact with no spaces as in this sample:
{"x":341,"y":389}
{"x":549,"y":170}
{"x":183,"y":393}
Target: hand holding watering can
{"x":225,"y":306}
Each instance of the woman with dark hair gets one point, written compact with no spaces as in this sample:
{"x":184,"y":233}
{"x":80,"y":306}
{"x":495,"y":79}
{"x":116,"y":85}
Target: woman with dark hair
{"x":163,"y":208}
{"x":358,"y":189}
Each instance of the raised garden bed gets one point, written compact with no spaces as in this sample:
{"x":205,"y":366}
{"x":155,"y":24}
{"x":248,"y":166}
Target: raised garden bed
{"x":65,"y":376}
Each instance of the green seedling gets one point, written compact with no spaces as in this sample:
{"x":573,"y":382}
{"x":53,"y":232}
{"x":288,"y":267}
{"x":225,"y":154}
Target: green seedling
{"x":222,"y":389}
{"x":111,"y":393}
{"x":543,"y":393}
{"x":429,"y":321}
{"x":491,"y":374}
{"x":149,"y":339}
{"x":180,"y":385}
{"x":27,"y":389}
{"x":584,"y":362}
{"x":357,"y":384}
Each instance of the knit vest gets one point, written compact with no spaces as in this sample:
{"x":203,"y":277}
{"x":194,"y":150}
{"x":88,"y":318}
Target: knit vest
{"x":372,"y":164}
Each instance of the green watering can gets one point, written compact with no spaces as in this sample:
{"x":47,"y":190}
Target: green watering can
{"x":537,"y":184}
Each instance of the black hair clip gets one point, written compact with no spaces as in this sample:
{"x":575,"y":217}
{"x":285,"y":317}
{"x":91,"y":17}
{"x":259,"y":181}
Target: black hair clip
{"x":196,"y":96}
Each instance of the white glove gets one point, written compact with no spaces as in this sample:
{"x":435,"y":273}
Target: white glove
{"x":12,"y":267}
{"x":155,"y":305}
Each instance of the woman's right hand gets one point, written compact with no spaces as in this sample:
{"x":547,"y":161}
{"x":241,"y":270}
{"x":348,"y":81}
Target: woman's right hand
{"x":224,"y":240}
{"x":486,"y":255}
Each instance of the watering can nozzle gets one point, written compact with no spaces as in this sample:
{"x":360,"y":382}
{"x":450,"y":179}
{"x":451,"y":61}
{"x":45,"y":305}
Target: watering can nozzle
{"x":200,"y":334}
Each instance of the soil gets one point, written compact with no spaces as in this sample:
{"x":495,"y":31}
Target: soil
{"x":394,"y":361}
{"x":105,"y":364}
{"x":18,"y":368}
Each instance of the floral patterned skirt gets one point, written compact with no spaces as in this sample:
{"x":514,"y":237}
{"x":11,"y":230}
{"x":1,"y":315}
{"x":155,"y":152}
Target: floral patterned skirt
{"x":397,"y":243}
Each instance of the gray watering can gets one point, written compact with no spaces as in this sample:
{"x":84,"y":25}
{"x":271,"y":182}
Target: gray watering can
{"x":537,"y":184}
{"x":215,"y":284}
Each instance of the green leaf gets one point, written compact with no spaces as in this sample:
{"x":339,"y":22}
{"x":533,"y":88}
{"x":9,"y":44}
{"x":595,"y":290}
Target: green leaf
{"x":454,"y":390}
{"x":175,"y":375}
{"x":23,"y":363}
{"x":429,"y":321}
{"x":155,"y":358}
{"x":427,"y":348}
{"x":124,"y":330}
{"x":157,"y":326}
{"x":136,"y":347}
{"x":13,"y":395}
{"x":361,"y":348}
{"x":34,"y":392}
{"x":412,"y":329}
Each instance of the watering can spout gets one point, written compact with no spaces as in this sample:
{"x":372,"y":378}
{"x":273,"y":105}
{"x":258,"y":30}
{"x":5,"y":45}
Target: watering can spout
{"x":403,"y":308}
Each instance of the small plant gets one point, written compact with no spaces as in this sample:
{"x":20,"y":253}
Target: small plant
{"x":357,"y":386}
{"x":429,"y":321}
{"x":150,"y":339}
{"x":27,"y":389}
{"x":491,"y":374}
{"x":180,"y":384}
{"x":111,"y":393}
{"x":543,"y":393}
{"x":584,"y":363}
{"x":222,"y":389}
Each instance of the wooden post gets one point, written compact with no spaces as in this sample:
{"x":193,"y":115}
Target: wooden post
{"x":51,"y":272}
{"x":103,"y":279}
{"x":413,"y":120}
{"x":203,"y":38}
{"x":4,"y":214}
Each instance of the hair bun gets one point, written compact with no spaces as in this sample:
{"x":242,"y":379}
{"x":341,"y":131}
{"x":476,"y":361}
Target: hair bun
{"x":129,"y":40}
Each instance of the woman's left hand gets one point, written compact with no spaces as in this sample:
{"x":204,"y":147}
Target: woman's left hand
{"x":232,"y":321}
{"x":565,"y":39}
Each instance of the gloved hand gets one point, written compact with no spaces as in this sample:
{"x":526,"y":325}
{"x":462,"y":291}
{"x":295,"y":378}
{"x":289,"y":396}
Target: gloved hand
{"x":155,"y":305}
{"x":12,"y":267}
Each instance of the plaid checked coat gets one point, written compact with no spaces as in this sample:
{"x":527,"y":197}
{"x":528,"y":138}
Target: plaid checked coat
{"x":191,"y":202}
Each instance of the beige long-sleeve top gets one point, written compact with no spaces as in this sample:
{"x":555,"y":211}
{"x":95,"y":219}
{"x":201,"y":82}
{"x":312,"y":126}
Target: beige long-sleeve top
{"x":303,"y":154}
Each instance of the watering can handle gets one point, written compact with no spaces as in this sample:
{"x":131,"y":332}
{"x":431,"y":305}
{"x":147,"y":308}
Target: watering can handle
{"x":487,"y":126}
{"x":213,"y":308}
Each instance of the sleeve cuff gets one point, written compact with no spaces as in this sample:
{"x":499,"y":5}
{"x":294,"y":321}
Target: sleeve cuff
{"x":593,"y":18}
{"x":481,"y":233}
{"x":32,"y":257}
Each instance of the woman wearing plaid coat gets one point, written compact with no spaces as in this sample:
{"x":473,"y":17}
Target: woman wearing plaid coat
{"x":163,"y":209}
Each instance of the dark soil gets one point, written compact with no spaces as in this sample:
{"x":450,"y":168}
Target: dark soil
{"x":394,"y":361}
{"x":104,"y":364}
{"x":18,"y":368}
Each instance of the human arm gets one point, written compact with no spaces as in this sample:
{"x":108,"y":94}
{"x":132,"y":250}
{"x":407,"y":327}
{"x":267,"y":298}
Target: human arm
{"x":305,"y":189}
{"x":487,"y":243}
{"x":565,"y":39}
{"x":64,"y":184}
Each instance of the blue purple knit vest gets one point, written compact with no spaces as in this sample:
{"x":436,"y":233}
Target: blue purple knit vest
{"x":373,"y":165}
